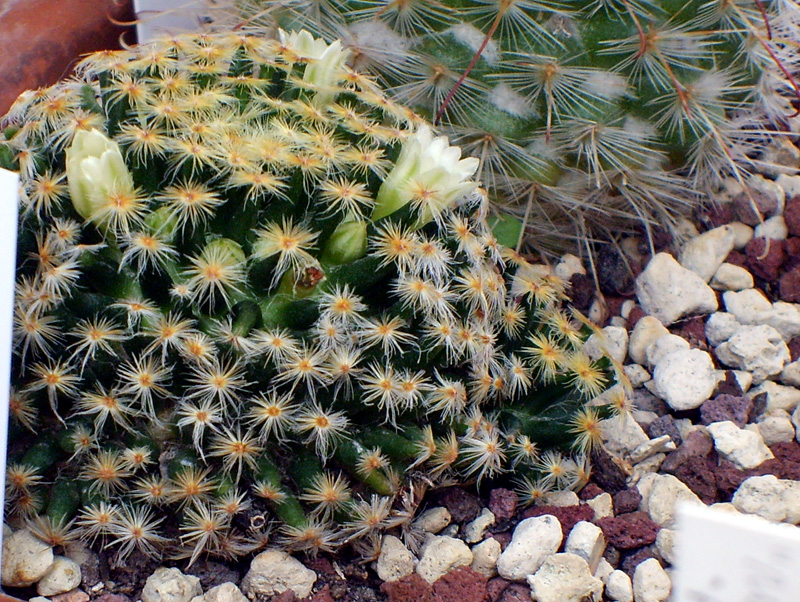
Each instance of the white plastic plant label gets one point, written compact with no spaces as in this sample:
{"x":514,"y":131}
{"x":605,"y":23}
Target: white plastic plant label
{"x":729,"y":557}
{"x":9,"y":203}
{"x":167,"y":17}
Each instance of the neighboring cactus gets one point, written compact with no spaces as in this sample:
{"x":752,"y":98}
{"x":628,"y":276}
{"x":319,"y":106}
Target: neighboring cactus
{"x":603,"y":114}
{"x":250,"y":286}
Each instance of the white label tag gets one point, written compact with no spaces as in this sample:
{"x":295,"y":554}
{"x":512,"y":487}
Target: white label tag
{"x":9,"y":203}
{"x":727,"y":557}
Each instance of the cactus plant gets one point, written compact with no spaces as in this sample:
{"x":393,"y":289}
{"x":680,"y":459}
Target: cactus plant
{"x":601,"y":116}
{"x":252,"y":290}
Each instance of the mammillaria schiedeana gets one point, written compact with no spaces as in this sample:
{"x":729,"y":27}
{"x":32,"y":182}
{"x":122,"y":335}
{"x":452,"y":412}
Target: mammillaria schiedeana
{"x":251,"y":291}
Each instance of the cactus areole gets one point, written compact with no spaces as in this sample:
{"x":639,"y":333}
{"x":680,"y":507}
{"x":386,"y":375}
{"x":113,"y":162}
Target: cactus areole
{"x":258,"y":301}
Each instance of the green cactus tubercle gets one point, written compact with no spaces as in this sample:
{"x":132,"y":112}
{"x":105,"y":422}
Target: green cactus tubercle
{"x":250,"y":285}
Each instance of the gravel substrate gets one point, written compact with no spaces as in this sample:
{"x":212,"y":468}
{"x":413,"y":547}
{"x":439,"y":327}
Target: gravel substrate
{"x":709,"y":332}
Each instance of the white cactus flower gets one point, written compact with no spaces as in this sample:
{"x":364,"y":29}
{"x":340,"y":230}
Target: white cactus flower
{"x":430,"y":173}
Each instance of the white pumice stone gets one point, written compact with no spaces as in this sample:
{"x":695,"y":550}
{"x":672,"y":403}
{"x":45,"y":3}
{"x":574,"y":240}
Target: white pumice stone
{"x":744,"y":448}
{"x":637,"y":375}
{"x":666,"y":492}
{"x":433,"y":520}
{"x":763,"y":496}
{"x":759,"y":350}
{"x":26,"y":559}
{"x":619,"y":587}
{"x":171,"y":585}
{"x":665,"y":544}
{"x":703,"y":254}
{"x":273,"y":572}
{"x":664,"y":345}
{"x":651,"y":583}
{"x":587,"y":541}
{"x":602,"y":505}
{"x":730,"y":277}
{"x":776,"y":427}
{"x":746,"y":305}
{"x":685,"y":378}
{"x":783,"y":317}
{"x":565,"y":578}
{"x":569,"y":266}
{"x":395,"y":560}
{"x":668,"y":291}
{"x":441,"y":555}
{"x":720,"y":326}
{"x":611,"y":341}
{"x":742,"y":234}
{"x":225,"y":592}
{"x":646,"y":332}
{"x":773,"y":228}
{"x":534,"y":539}
{"x":561,"y":499}
{"x":778,"y":397}
{"x":485,"y":556}
{"x":476,"y":529}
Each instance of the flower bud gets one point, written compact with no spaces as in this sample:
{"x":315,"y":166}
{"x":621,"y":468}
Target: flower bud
{"x":347,"y":243}
{"x":95,"y":170}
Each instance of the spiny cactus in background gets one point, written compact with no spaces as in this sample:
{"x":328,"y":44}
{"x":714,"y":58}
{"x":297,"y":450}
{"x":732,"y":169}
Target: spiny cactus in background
{"x":252,"y":290}
{"x":603,"y":114}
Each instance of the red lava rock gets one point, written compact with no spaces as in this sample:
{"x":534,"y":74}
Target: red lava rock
{"x":765,"y":205}
{"x":794,"y":348}
{"x":791,"y":215}
{"x":76,"y":595}
{"x":792,"y":247}
{"x":503,"y":539}
{"x":631,"y":561}
{"x":627,"y":501}
{"x":636,"y":314}
{"x":789,"y":285}
{"x":665,"y":425}
{"x":568,"y":516}
{"x":726,"y":407}
{"x":461,"y":505}
{"x":495,"y":588}
{"x":729,"y":386}
{"x":606,"y":473}
{"x":581,"y":291}
{"x":408,"y":589}
{"x":629,"y":531}
{"x":785,"y":464}
{"x":693,"y":330}
{"x":728,"y":478}
{"x":737,"y":258}
{"x":503,"y":503}
{"x":614,"y":304}
{"x":697,"y":473}
{"x":717,"y":215}
{"x":765,"y":261}
{"x":591,"y":490}
{"x":461,"y":585}
{"x":516,"y":592}
{"x":697,"y":444}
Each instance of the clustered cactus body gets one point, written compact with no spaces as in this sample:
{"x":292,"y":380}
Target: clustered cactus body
{"x":605,"y":115}
{"x":253,"y":291}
